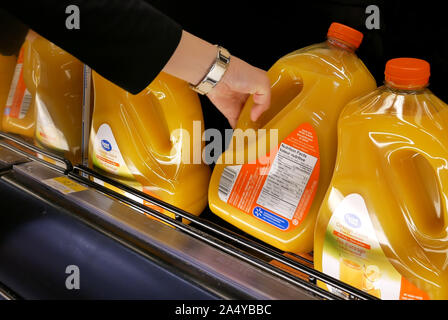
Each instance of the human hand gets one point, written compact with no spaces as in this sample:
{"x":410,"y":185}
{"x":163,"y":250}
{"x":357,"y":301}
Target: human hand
{"x":192,"y":60}
{"x":241,"y":80}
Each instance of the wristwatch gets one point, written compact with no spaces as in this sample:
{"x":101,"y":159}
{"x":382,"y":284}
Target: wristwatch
{"x":215,"y":73}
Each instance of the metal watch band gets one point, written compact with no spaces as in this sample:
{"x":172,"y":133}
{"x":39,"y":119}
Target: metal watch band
{"x":215,"y":73}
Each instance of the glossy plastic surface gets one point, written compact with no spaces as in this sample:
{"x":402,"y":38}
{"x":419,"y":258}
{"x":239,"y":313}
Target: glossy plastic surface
{"x":137,"y":139}
{"x":55,"y":80}
{"x":393,"y":152}
{"x":14,"y":122}
{"x":7,"y":67}
{"x":310,"y":85}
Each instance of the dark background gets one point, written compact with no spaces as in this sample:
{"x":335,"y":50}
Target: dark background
{"x":262,"y":32}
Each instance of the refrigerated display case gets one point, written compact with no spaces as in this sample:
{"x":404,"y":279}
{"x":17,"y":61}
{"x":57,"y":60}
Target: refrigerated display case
{"x":54,"y":215}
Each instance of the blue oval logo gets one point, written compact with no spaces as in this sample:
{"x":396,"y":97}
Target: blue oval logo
{"x":106,"y":145}
{"x":270,"y":218}
{"x":352,"y":220}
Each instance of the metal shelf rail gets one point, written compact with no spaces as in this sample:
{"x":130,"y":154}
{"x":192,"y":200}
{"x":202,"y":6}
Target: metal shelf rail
{"x":67,"y":166}
{"x":216,"y":236}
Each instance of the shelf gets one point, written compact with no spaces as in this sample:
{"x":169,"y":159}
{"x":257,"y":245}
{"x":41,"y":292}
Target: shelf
{"x":292,"y":274}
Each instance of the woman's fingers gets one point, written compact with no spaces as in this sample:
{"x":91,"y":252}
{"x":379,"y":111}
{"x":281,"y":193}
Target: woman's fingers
{"x":238,"y":83}
{"x":262,"y":98}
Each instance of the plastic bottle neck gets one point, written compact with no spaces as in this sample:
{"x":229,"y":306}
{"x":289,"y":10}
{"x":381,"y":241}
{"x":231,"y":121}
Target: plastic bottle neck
{"x":405,"y":89}
{"x":341,"y":44}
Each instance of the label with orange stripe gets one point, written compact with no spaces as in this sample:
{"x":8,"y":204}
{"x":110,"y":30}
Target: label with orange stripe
{"x":280,"y":187}
{"x":106,"y":155}
{"x":19,"y":98}
{"x":353,"y":254}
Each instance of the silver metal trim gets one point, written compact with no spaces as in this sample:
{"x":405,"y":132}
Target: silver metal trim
{"x":62,"y":164}
{"x":213,"y":262}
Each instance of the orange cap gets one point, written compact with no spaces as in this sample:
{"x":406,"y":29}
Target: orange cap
{"x":344,"y":33}
{"x":407,"y":72}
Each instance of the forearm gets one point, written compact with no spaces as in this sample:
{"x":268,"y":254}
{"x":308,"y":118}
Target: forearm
{"x":126,"y":41}
{"x":191,"y":59}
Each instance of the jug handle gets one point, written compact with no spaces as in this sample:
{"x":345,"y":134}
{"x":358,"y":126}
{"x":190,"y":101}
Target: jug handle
{"x":441,"y":174}
{"x":286,"y":85}
{"x":174,"y":108}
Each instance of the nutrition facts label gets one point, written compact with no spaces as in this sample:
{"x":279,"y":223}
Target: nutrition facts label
{"x":287,"y":180}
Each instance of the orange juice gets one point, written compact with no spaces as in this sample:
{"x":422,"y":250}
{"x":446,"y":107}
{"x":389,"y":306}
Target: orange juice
{"x":370,"y":279}
{"x":18,"y":115}
{"x":386,"y":205}
{"x":45,"y":99}
{"x":275,"y":195}
{"x":146,"y":140}
{"x":55,"y":80}
{"x":351,"y":273}
{"x":7,"y":67}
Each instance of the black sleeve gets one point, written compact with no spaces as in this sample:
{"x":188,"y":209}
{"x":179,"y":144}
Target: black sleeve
{"x":12,"y":34}
{"x":126,"y":41}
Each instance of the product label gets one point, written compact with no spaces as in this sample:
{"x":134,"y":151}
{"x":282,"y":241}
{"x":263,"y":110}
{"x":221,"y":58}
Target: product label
{"x":19,"y":98}
{"x":283,"y":196}
{"x":46,"y":131}
{"x":64,"y":185}
{"x":106,"y":154}
{"x":352,"y":254}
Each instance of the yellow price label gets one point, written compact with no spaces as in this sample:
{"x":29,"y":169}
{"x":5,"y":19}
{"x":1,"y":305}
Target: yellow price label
{"x":64,"y":185}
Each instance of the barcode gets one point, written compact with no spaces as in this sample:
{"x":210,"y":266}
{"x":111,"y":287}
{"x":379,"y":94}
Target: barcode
{"x":227,"y":180}
{"x":15,"y":81}
{"x":26,"y":102}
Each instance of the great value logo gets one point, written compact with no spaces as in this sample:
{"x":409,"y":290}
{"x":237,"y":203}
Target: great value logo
{"x":352,"y":220}
{"x":106,"y":145}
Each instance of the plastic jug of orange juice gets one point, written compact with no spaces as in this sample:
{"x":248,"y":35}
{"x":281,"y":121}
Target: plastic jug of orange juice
{"x":275,"y":195}
{"x":147,"y":140}
{"x":18,"y":114}
{"x":7,"y":67}
{"x":45,"y":99}
{"x":383,"y":225}
{"x":54,"y":79}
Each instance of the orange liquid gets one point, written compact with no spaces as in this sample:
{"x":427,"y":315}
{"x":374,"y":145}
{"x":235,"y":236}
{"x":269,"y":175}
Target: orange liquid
{"x":136,"y":139}
{"x":23,"y":125}
{"x":393,"y":151}
{"x":7,"y":67}
{"x":351,"y":273}
{"x":55,"y":79}
{"x":308,"y":86}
